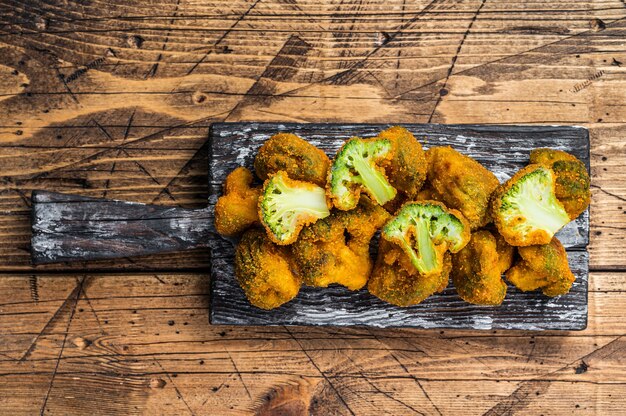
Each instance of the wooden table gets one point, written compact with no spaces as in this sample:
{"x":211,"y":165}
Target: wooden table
{"x":109,"y":99}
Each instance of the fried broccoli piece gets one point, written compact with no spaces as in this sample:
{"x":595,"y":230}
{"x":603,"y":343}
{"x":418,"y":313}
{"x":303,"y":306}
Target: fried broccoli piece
{"x":264,"y":270}
{"x":300,"y":159}
{"x":525,"y":208}
{"x":359,"y":166}
{"x":427,"y":193}
{"x":395,"y":280}
{"x":506,"y":252}
{"x":236,"y":210}
{"x":477,"y":270}
{"x":336,"y":249}
{"x":407,"y":167}
{"x":286,"y":205}
{"x":542,"y":267}
{"x":425,"y":230}
{"x":461,"y":183}
{"x":572,"y":179}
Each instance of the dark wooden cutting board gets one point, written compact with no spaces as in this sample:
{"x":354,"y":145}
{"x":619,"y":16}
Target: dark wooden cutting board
{"x":70,"y":228}
{"x":502,"y":149}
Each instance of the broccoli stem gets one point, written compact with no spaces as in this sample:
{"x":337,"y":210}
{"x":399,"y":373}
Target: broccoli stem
{"x":544,"y":216}
{"x":310,"y":201}
{"x":374,"y":181}
{"x":425,"y":260}
{"x":425,"y":247}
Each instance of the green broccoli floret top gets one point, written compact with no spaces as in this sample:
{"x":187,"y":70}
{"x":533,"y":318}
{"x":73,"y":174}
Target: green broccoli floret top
{"x":425,"y":230}
{"x":525,"y":208}
{"x":286,"y":205}
{"x":358,"y":166}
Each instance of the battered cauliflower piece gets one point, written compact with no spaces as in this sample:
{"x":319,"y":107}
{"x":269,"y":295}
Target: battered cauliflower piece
{"x":461,"y":183}
{"x":300,"y":159}
{"x":395,"y":280}
{"x":572,"y":179}
{"x":525,"y":209}
{"x":286,"y":205}
{"x":236,"y":210}
{"x":425,"y":231}
{"x":264,"y":270}
{"x":542,"y":267}
{"x":407,"y":167}
{"x":336,"y":249}
{"x":477,"y":270}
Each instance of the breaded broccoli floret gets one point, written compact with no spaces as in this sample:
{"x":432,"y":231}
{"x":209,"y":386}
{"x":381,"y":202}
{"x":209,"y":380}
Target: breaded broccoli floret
{"x":359,"y":167}
{"x":336,"y":249}
{"x":572,"y":179}
{"x":425,"y":230}
{"x":264,"y":270}
{"x":286,"y":205}
{"x":395,"y":280}
{"x":542,"y":267}
{"x":461,"y":183}
{"x":506,"y":252}
{"x":300,"y":159}
{"x":525,"y":208}
{"x":427,"y":193}
{"x":236,"y":210}
{"x":477,"y":270}
{"x":407,"y":167}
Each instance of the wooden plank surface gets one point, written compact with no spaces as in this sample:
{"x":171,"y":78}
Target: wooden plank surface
{"x":117,"y":339}
{"x":141,"y":83}
{"x":501,"y":149}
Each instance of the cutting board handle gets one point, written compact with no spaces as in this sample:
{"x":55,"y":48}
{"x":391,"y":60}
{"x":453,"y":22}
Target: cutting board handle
{"x":76,"y":228}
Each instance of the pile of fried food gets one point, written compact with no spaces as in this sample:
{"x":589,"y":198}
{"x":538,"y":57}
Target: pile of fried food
{"x":440,"y":213}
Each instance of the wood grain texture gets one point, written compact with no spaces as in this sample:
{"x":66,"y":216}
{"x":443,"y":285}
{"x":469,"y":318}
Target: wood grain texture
{"x":145,"y":342}
{"x":502,"y":149}
{"x":130,"y":121}
{"x":143,"y":81}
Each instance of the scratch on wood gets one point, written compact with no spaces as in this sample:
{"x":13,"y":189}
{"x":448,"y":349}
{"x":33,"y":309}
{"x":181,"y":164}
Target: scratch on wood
{"x":126,"y":132}
{"x":82,"y":71}
{"x":93,"y":311}
{"x":243,"y":383}
{"x":79,"y":286}
{"x":519,"y":399}
{"x":337,"y":78}
{"x":121,"y":148}
{"x":62,"y":79}
{"x":406,"y":370}
{"x":56,"y":313}
{"x":522,"y":397}
{"x":384,"y":393}
{"x":319,"y":370}
{"x":621,"y":198}
{"x":181,"y":172}
{"x":281,"y":68}
{"x":178,"y":393}
{"x":455,"y":57}
{"x":153,"y":70}
{"x":221,"y":38}
{"x":34,"y":288}
{"x":504,"y":59}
